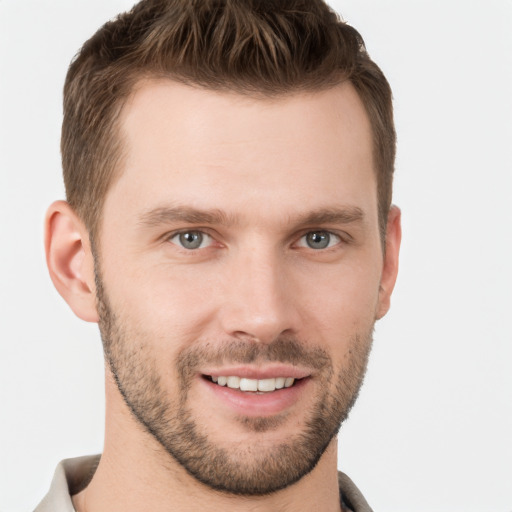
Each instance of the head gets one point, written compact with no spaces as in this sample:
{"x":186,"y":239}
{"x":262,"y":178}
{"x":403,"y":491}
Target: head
{"x":229,"y":45}
{"x":228,"y":170}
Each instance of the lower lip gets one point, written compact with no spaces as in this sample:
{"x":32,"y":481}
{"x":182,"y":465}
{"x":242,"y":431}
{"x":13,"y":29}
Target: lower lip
{"x":257,"y":404}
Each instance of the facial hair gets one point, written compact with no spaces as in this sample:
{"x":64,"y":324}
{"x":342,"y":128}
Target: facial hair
{"x":239,"y":469}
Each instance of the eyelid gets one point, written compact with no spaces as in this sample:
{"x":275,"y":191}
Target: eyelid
{"x":340,"y":238}
{"x":171,"y":236}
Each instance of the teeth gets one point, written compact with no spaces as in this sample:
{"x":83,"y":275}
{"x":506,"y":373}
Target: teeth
{"x":288,"y":382}
{"x":267,"y":385}
{"x":234,"y":382}
{"x":262,"y":385}
{"x":248,"y":385}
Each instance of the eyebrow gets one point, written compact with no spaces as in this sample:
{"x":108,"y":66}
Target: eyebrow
{"x":346,"y":215}
{"x":167,"y":215}
{"x":171,"y":214}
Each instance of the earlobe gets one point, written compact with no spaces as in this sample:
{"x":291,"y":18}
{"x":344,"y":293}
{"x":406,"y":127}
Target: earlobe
{"x":390,"y":268}
{"x":70,"y":260}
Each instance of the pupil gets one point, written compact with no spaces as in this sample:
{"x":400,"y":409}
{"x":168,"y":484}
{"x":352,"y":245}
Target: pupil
{"x":318,"y":240}
{"x":191,"y":240}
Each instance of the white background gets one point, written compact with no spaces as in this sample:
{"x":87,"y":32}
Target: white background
{"x":432,"y":430}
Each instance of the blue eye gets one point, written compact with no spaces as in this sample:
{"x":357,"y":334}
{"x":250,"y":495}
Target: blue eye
{"x":191,"y":240}
{"x":319,"y":240}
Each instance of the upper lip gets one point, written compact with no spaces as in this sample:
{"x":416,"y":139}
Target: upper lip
{"x":269,"y":371}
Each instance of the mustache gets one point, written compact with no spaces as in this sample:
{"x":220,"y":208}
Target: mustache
{"x":283,"y":349}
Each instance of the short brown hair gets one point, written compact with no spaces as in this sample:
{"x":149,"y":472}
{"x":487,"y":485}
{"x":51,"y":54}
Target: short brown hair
{"x":255,"y":47}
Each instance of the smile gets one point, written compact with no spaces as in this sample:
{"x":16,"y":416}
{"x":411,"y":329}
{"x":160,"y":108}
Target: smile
{"x":254,"y":385}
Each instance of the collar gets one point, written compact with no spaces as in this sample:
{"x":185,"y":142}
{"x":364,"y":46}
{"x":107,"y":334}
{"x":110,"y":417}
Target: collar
{"x":73,"y":475}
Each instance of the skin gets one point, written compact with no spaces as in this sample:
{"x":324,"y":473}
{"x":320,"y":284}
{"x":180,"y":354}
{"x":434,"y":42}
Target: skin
{"x":267,"y":166}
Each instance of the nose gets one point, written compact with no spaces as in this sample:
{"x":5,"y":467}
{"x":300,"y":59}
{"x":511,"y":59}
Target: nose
{"x":259,"y":298}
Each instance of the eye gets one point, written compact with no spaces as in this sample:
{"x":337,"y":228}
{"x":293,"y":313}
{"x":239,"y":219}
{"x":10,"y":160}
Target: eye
{"x":191,"y":240}
{"x":319,"y":240}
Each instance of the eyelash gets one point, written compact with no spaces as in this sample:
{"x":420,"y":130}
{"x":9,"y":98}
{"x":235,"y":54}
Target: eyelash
{"x":203,"y":234}
{"x":323,"y":233}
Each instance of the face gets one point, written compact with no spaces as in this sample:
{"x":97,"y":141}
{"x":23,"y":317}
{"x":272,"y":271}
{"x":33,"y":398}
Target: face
{"x":238,"y":276}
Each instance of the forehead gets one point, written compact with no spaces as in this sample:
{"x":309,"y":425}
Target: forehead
{"x":213,"y":149}
{"x":188,"y":114}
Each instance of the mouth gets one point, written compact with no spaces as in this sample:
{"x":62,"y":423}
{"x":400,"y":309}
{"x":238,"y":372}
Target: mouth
{"x":258,"y":386}
{"x":256,"y":392}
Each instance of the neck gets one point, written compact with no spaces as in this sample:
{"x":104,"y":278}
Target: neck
{"x":135,"y":474}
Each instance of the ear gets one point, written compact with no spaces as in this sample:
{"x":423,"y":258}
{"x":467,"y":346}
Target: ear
{"x":390,"y":268}
{"x":70,"y":260}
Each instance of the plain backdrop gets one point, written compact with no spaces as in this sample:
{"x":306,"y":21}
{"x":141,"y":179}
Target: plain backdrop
{"x":432,"y":430}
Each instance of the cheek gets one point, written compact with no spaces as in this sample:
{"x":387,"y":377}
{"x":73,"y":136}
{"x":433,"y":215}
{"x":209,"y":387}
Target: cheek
{"x":341,"y":302}
{"x":167,"y":300}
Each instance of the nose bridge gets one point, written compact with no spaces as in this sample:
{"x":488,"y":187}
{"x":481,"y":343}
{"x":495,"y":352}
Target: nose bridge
{"x":259,"y":295}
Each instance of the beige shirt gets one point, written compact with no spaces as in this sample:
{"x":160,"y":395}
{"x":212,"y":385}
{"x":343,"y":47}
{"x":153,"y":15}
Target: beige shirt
{"x":73,"y":475}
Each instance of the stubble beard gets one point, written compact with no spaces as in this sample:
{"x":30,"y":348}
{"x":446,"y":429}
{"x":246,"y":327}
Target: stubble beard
{"x":240,"y":469}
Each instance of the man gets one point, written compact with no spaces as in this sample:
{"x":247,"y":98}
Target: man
{"x":228,"y":169}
